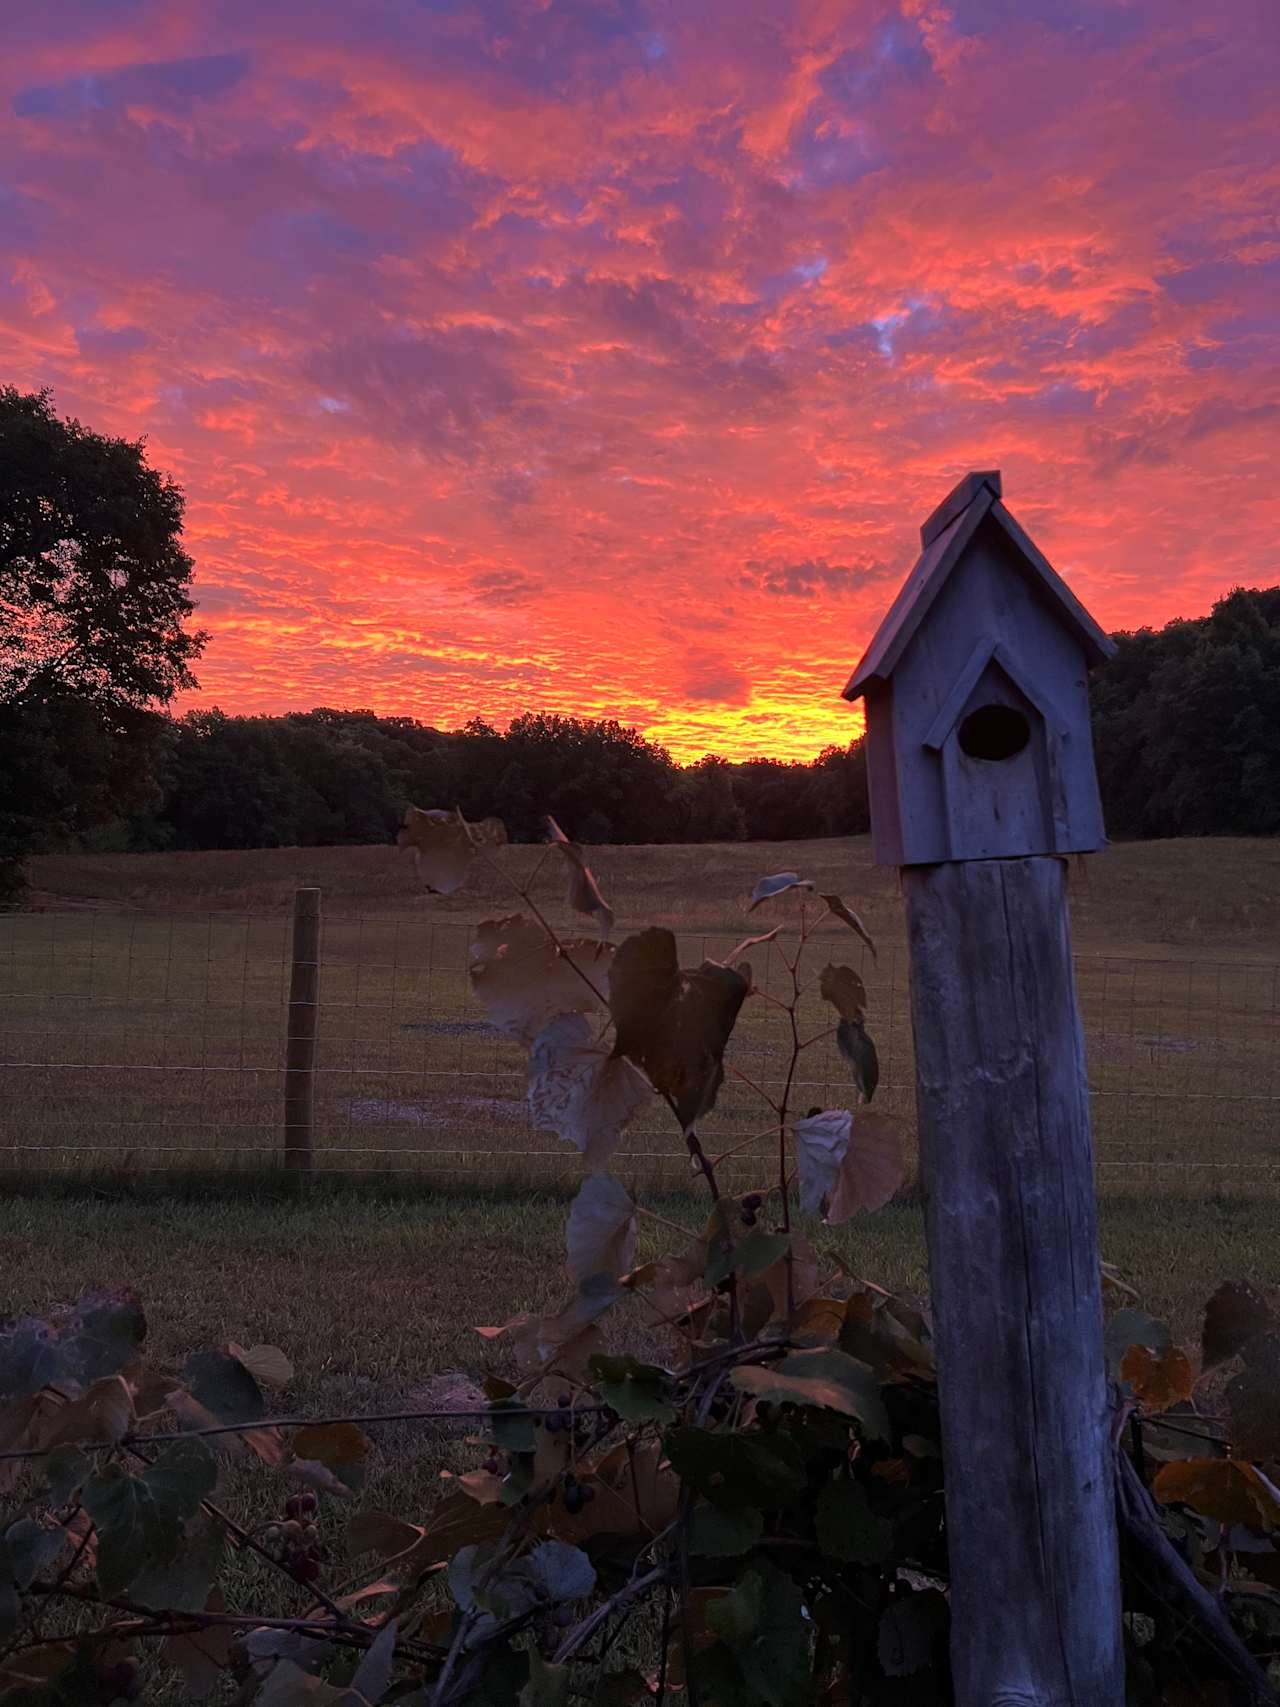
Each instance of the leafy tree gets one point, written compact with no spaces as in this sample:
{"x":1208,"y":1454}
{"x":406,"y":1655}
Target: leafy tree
{"x":94,"y":603}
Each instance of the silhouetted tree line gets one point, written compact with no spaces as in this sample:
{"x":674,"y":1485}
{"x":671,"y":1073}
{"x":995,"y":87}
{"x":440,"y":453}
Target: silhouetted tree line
{"x":1186,"y":725}
{"x":327,"y":777}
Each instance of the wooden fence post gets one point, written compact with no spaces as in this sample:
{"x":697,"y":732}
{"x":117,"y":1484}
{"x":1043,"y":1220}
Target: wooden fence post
{"x":300,"y":1039}
{"x":981,"y":778}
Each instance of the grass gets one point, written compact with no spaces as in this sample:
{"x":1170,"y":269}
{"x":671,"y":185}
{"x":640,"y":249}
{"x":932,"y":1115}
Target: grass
{"x":142,"y":1014}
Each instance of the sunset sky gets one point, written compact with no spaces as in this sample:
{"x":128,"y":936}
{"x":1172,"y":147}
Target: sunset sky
{"x":605,"y":355}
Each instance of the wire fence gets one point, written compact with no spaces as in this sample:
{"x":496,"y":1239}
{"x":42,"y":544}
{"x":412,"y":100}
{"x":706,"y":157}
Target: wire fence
{"x":131,"y":1042}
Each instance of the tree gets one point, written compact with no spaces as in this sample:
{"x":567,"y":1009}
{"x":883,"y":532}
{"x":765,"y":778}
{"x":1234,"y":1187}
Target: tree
{"x":94,"y":601}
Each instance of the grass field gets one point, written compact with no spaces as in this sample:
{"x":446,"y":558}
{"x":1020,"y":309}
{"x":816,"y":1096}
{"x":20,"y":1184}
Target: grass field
{"x":141,"y":1029}
{"x":142,"y":1014}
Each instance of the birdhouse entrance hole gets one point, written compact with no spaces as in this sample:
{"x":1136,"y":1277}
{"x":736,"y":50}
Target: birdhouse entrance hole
{"x":994,"y":732}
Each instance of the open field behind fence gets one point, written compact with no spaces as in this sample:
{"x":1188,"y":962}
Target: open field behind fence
{"x":139,"y":1042}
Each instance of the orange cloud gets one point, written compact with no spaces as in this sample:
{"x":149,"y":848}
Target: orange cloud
{"x":606,"y":358}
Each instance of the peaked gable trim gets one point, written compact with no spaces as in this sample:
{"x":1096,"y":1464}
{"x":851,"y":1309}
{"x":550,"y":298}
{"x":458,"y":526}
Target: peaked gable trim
{"x":921,"y":588}
{"x":916,"y":596}
{"x":989,"y":651}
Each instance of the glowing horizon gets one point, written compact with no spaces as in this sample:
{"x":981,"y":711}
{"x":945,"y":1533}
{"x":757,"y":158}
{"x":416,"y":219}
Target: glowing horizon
{"x":604,"y":356}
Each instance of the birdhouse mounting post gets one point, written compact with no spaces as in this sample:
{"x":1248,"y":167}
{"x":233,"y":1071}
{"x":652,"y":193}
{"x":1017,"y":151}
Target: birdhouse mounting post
{"x":981,"y":776}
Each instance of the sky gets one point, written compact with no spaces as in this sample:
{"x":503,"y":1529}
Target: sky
{"x":604,"y":356}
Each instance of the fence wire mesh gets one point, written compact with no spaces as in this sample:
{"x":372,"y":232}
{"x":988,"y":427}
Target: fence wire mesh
{"x":135,"y":1042}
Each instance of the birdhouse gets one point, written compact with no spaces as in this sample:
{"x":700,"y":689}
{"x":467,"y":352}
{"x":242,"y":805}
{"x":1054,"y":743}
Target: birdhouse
{"x":977,"y":697}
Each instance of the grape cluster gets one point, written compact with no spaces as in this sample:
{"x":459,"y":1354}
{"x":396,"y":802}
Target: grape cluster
{"x":575,"y":1495}
{"x":295,"y":1542}
{"x":121,"y":1681}
{"x":750,"y":1208}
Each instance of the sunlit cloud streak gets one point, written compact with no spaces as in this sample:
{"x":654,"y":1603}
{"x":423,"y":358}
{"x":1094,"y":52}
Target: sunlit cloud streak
{"x":605,"y":355}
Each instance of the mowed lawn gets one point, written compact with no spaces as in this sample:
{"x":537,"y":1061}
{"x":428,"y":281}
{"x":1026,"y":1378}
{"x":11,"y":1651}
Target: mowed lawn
{"x":373,"y":1296}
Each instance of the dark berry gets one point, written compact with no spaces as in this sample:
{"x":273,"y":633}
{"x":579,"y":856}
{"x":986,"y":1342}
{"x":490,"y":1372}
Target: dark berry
{"x":748,"y":1218}
{"x":555,"y":1423}
{"x":563,"y":1616}
{"x":564,"y":1401}
{"x":306,"y":1568}
{"x":308,"y":1505}
{"x":574,"y":1500}
{"x":587,"y":1494}
{"x":492,"y":1464}
{"x":752,"y":1201}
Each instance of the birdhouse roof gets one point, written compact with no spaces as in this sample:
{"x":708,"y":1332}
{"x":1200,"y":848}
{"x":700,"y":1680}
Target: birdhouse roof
{"x":945,"y":536}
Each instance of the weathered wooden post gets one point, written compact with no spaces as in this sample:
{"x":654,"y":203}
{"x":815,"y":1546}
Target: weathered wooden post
{"x":980,"y":766}
{"x":300,"y":1034}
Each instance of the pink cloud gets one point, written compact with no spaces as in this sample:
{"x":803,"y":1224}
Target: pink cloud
{"x":606,"y":358}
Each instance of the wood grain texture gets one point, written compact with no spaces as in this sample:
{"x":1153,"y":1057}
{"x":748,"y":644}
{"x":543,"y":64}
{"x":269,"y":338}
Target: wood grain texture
{"x":300,"y":1036}
{"x":1013,"y":1253}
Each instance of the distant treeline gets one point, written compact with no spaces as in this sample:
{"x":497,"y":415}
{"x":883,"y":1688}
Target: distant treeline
{"x":324,"y":777}
{"x":1186,"y":724}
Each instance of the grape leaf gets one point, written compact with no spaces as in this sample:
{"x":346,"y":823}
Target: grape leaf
{"x":1253,"y":1399}
{"x":1222,"y":1488}
{"x":561,"y":1572}
{"x":1158,"y":1380}
{"x":821,"y":1143}
{"x":1236,"y":1313}
{"x":674,"y":1024}
{"x":580,"y":1091}
{"x":637,"y":1391}
{"x":846,"y":1526}
{"x":844,"y":989}
{"x":752,"y":1255}
{"x":341,"y":1448}
{"x":734,"y":1471}
{"x":601,"y":1235}
{"x":266,"y":1363}
{"x":1133,"y":1327}
{"x":139,"y":1519}
{"x":584,"y":891}
{"x":523,"y":981}
{"x":847,"y":916}
{"x":829,"y":1379}
{"x":441,"y":845}
{"x":548,"y":1683}
{"x":872,"y":1168}
{"x":717,"y":1534}
{"x":372,"y":1677}
{"x":854,"y":1042}
{"x":26,"y":1548}
{"x":778,"y":884}
{"x":222,"y":1385}
{"x":735,"y":1616}
{"x":202,"y":1655}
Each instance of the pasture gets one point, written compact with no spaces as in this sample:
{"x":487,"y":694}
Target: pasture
{"x":140,"y":1098}
{"x":142,"y":1032}
{"x":142,"y":1017}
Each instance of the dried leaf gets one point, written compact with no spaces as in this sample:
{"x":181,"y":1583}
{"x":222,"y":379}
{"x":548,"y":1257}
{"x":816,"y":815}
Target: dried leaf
{"x":601,"y":1235}
{"x":1222,"y":1488}
{"x":103,"y":1413}
{"x":580,"y":1091}
{"x":338,"y":1448}
{"x":565,"y":1341}
{"x":202,"y":1656}
{"x":749,"y":942}
{"x":376,"y":1532}
{"x":674,"y":1025}
{"x":778,"y":884}
{"x":821,"y":1143}
{"x":844,"y":989}
{"x":1236,"y":1313}
{"x":855,"y":1044}
{"x":523,"y":981}
{"x":872,"y":1169}
{"x":266,"y":1363}
{"x":584,"y":891}
{"x":442,"y":848}
{"x":847,"y":915}
{"x":672,"y":1284}
{"x":1158,"y":1381}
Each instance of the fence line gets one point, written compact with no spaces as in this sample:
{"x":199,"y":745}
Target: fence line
{"x":135,"y":1041}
